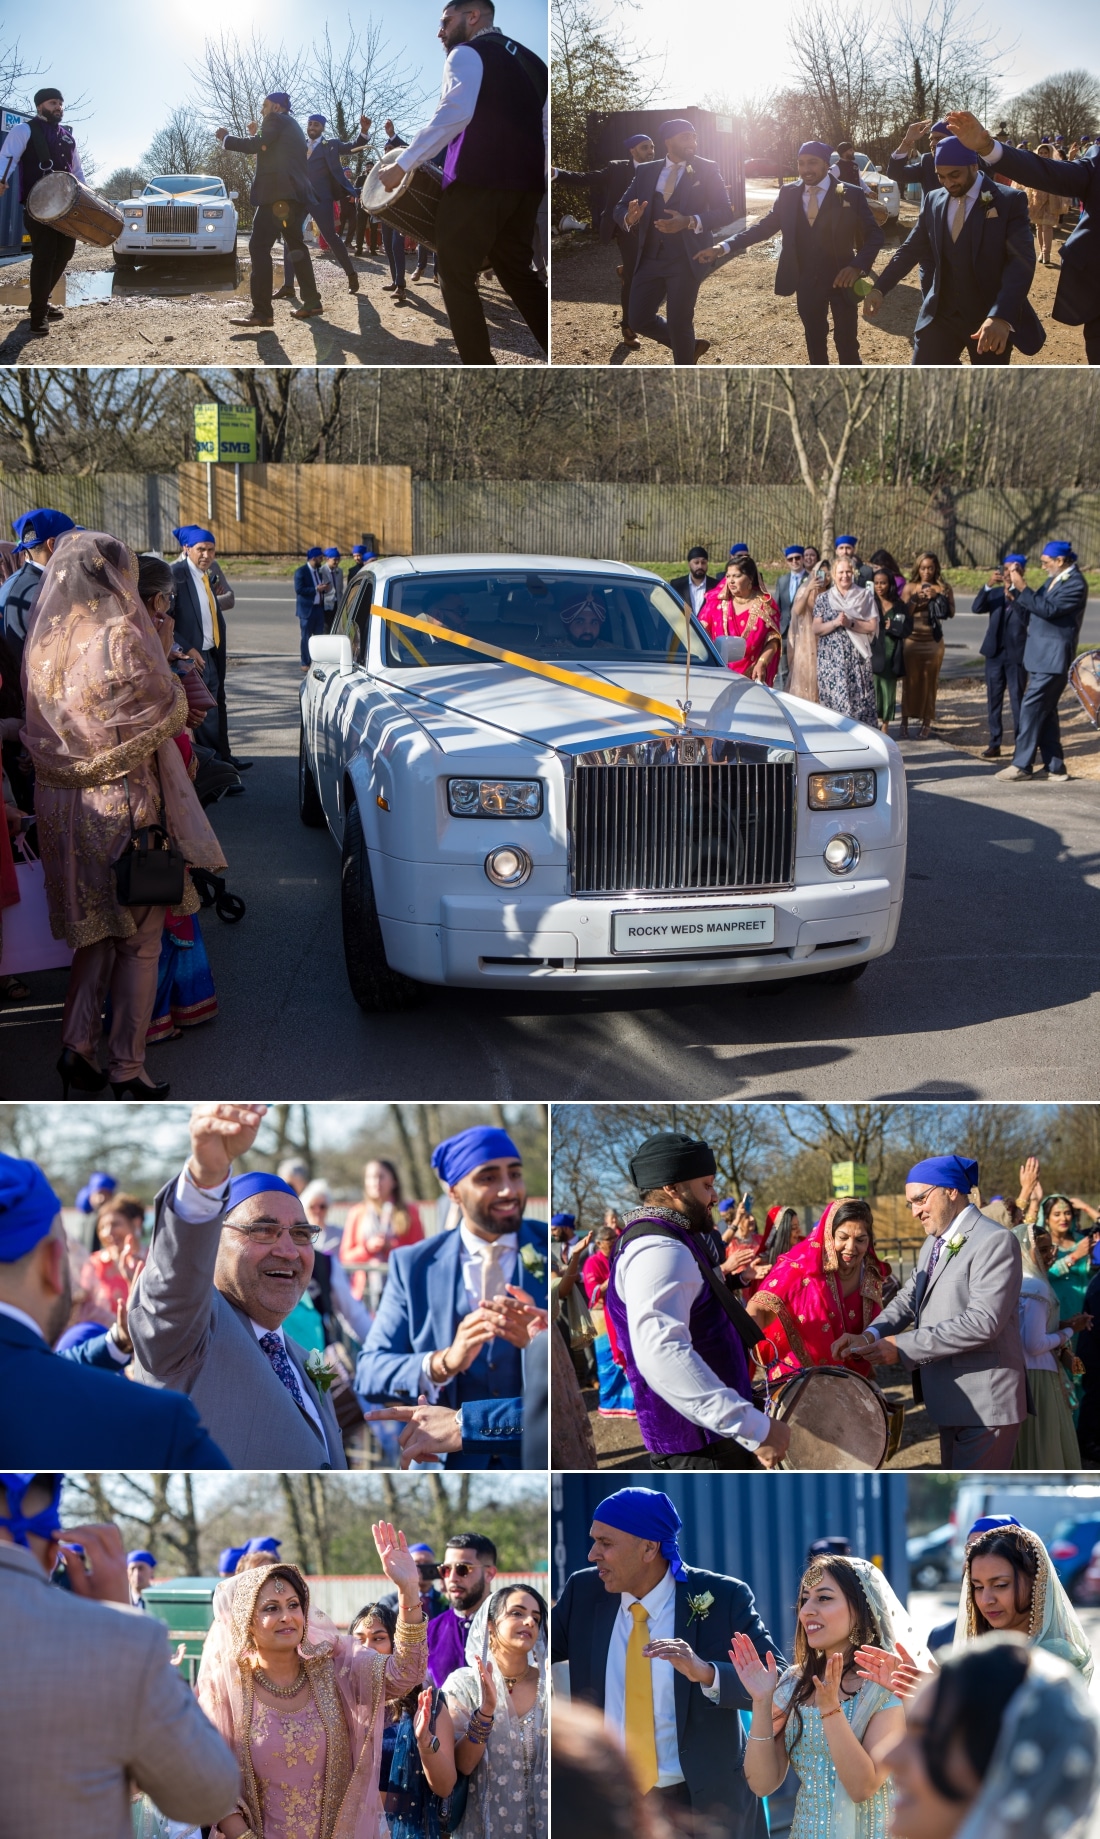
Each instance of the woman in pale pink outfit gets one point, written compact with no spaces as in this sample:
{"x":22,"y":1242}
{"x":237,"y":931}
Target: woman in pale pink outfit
{"x":302,"y":1706}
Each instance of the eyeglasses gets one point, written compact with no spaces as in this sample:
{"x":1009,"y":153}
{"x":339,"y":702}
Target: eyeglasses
{"x":919,"y":1199}
{"x":270,"y":1235}
{"x":456,"y":1570}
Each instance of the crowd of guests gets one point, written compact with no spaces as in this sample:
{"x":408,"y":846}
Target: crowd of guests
{"x":428,"y":1716}
{"x":847,"y":633}
{"x":640,"y":1319}
{"x":984,"y":1727}
{"x":262,"y":1334}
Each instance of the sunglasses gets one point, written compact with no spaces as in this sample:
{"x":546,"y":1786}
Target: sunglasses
{"x":456,"y":1570}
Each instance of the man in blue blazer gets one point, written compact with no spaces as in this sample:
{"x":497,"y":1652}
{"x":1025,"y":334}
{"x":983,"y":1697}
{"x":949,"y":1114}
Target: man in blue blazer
{"x":830,"y":239}
{"x":314,"y":597}
{"x":1077,"y":300}
{"x":672,"y":206}
{"x":62,"y":1413}
{"x":643,"y":1604}
{"x":973,"y":244}
{"x":203,"y":598}
{"x":447,"y":1331}
{"x":328,"y":186}
{"x":1003,"y":651}
{"x":1055,"y":612}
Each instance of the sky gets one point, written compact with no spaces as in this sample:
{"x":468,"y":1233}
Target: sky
{"x":130,"y":58}
{"x":718,"y":48}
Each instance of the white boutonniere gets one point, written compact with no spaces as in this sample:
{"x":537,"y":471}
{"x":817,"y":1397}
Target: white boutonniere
{"x":321,"y":1374}
{"x":986,"y":199}
{"x":955,"y":1242}
{"x":700,"y":1607}
{"x":532,"y":1260}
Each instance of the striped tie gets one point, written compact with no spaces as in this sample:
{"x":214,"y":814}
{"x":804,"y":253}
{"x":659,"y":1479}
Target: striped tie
{"x":639,"y":1729}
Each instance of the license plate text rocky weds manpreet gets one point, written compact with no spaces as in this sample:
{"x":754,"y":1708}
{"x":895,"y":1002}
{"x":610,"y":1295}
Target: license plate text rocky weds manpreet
{"x":692,"y":929}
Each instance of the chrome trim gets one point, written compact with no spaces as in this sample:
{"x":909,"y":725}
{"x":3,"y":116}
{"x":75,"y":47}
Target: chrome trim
{"x":685,"y":750}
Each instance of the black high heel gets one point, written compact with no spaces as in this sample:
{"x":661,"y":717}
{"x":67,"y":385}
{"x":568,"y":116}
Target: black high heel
{"x":137,"y":1088}
{"x":78,"y":1072}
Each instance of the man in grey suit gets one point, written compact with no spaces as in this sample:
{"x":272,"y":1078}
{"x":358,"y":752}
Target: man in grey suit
{"x":89,"y":1702}
{"x":229,"y":1260}
{"x":959,"y":1322}
{"x":787,"y":585}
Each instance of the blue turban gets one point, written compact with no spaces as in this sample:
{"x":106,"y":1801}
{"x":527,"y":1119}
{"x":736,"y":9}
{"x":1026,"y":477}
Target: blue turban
{"x":280,"y":96}
{"x":678,"y":125}
{"x":243,"y":1187}
{"x":28,"y":1207}
{"x":739,"y":549}
{"x":635,"y":140}
{"x":946,"y":1172}
{"x":817,"y":148}
{"x":98,"y":1183}
{"x":425,"y":1549}
{"x":189,"y":534}
{"x":34,"y":527}
{"x":458,"y":1155}
{"x":323,"y":119}
{"x":563,"y":1219}
{"x":724,"y":1206}
{"x":46,"y":1522}
{"x":333,"y":552}
{"x":951,"y":152}
{"x":1057,"y":550}
{"x":229,"y":1559}
{"x":264,"y":1545}
{"x":992,"y":1522}
{"x":1016,"y":557}
{"x":848,"y":541}
{"x":795,"y":549}
{"x":939,"y":127}
{"x":310,"y":553}
{"x":141,"y":1558}
{"x":359,"y":549}
{"x":648,"y":1515}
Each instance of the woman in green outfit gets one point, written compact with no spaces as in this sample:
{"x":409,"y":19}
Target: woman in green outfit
{"x":895,"y":625}
{"x":1071,"y":1269}
{"x":1047,"y":1440}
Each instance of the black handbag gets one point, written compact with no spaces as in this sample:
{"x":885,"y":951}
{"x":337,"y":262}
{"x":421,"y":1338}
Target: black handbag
{"x":150,"y":872}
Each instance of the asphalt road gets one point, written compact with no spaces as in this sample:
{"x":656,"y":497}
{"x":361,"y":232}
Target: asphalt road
{"x":991,"y":992}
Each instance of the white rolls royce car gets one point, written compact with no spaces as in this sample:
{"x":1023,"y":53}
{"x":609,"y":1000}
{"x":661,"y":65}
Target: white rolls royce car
{"x":178,"y":214}
{"x":500,"y":828}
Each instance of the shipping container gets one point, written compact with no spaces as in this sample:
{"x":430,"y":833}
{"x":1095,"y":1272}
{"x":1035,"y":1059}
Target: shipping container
{"x":11,"y":204}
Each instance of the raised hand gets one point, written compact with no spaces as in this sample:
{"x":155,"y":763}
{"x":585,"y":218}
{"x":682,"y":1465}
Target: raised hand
{"x":759,"y":1677}
{"x":397,"y":1561}
{"x":422,"y":1716}
{"x":878,"y":1664}
{"x":488,"y":1688}
{"x":95,"y":1559}
{"x":1029,"y":1171}
{"x":681,"y":1656}
{"x":120,"y":1333}
{"x":967,"y":128}
{"x":827,"y":1688}
{"x":219,"y":1134}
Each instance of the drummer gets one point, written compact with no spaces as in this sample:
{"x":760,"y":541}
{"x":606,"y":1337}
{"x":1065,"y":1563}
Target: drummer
{"x":491,"y":119}
{"x":683,"y":1335}
{"x":36,"y":147}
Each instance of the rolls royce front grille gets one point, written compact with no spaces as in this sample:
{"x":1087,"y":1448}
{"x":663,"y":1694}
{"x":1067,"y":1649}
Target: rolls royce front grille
{"x":172,"y":219}
{"x":683,"y":829}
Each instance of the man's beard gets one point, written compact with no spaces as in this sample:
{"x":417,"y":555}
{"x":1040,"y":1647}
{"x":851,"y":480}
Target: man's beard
{"x":485,"y":1222}
{"x":465,"y":1598}
{"x":696,"y":1212}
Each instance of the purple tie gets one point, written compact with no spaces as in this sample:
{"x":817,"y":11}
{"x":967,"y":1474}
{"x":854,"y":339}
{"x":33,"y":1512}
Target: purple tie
{"x":934,"y":1259}
{"x":280,"y":1361}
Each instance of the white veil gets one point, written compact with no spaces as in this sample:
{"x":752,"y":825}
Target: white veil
{"x":1044,"y":1778}
{"x":503,"y":1764}
{"x":1055,"y":1624}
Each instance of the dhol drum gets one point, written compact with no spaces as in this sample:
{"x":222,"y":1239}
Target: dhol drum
{"x":1084,"y":681}
{"x":837,"y":1419}
{"x":66,"y":204}
{"x":411,"y":207}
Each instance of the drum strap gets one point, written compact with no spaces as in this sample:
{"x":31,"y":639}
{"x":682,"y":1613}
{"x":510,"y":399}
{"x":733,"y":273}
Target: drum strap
{"x":40,"y":144}
{"x":749,"y":1331}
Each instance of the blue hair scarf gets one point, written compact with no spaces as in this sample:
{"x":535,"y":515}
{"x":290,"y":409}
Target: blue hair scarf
{"x":46,"y":1522}
{"x":648,"y":1515}
{"x":28,"y":1207}
{"x":946,"y":1172}
{"x":243,"y":1187}
{"x":469,"y":1150}
{"x":189,"y":534}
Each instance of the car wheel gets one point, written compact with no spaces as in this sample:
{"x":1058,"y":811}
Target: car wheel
{"x":310,"y":809}
{"x":844,"y":973}
{"x":928,"y":1577}
{"x":374,"y":985}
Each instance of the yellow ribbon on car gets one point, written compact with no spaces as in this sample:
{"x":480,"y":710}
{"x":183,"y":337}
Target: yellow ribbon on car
{"x":556,"y":673}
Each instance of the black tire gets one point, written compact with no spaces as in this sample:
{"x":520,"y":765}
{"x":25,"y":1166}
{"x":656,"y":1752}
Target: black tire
{"x":845,"y":973}
{"x":374,"y":985}
{"x":310,"y":809}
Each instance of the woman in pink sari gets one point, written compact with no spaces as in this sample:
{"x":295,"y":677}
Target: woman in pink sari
{"x":302,"y":1706}
{"x":741,"y":607}
{"x":829,"y":1285}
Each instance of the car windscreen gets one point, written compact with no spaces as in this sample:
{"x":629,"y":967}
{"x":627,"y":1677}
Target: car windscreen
{"x":564,"y":615}
{"x":203,"y":188}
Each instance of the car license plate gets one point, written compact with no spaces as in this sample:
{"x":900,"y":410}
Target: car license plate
{"x":692,"y":929}
{"x":172,"y":242}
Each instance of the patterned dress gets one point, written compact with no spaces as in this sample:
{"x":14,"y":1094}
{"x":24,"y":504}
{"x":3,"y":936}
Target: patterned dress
{"x":288,"y":1756}
{"x":822,"y":1809}
{"x":844,"y":680}
{"x":508,"y":1789}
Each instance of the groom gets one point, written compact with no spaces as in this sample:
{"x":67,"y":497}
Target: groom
{"x":960,"y":1334}
{"x":678,"y":1720}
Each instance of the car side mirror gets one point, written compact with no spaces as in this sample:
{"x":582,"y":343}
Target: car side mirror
{"x":234,"y":194}
{"x":731,"y":650}
{"x":326,"y":648}
{"x":136,"y":191}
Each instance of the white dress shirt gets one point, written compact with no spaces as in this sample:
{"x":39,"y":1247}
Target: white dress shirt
{"x":470,"y":1257}
{"x":660,"y":1606}
{"x":819,"y":191}
{"x":200,"y":583}
{"x":659,"y":1280}
{"x":697,"y":593}
{"x":462,"y":74}
{"x":15,"y":146}
{"x":196,"y":1205}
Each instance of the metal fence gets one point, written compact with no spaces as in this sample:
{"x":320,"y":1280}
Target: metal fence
{"x":141,"y":508}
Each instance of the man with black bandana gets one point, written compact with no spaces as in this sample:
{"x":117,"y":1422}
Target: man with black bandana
{"x":683,"y":1333}
{"x":39,"y":146}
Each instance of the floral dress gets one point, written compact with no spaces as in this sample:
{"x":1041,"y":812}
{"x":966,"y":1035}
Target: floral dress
{"x":508,"y":1789}
{"x":288,"y":1756}
{"x":844,"y":680}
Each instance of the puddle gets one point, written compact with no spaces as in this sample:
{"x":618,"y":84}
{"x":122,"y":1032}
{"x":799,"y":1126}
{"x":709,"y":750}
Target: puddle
{"x":157,"y":280}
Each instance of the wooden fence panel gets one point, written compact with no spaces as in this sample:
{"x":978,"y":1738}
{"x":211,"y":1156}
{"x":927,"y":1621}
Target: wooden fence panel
{"x":286,"y":508}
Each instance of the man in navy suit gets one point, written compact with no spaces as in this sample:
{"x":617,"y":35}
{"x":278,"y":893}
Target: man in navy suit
{"x":314,"y":596}
{"x":1055,"y":612}
{"x":280,"y":193}
{"x":59,"y":1413}
{"x":1077,"y":300}
{"x":448,"y":1332}
{"x":976,"y":254}
{"x":203,"y":598}
{"x":607,"y":184}
{"x":1003,"y":651}
{"x":672,"y":207}
{"x":830,"y":239}
{"x":643,"y":1610}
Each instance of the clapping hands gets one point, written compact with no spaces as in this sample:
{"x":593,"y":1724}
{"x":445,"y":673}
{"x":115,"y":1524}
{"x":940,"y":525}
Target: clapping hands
{"x":759,"y":1677}
{"x":898,"y":1673}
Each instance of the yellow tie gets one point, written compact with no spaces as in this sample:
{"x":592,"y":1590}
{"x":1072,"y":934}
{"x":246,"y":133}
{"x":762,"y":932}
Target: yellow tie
{"x":214,"y":627}
{"x":959,"y":218}
{"x":638,"y":1725}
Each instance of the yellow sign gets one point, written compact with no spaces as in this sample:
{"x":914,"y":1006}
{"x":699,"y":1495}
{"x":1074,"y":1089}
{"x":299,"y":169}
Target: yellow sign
{"x":225,"y":435}
{"x":850,"y":1181}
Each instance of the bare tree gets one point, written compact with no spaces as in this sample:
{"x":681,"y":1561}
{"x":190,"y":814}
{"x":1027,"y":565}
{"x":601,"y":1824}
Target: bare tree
{"x":833,"y":47}
{"x":595,"y":68}
{"x":234,"y":75}
{"x":810,"y":426}
{"x":124,"y":182}
{"x":950,"y":59}
{"x":362,"y":77}
{"x":184,"y":145}
{"x":1067,"y":104}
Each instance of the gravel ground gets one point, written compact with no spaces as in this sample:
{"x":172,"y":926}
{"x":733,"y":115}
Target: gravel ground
{"x":740,"y":313}
{"x":139,"y":325}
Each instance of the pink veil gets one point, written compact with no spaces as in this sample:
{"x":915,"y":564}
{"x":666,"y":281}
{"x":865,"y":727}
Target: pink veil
{"x":350,"y":1685}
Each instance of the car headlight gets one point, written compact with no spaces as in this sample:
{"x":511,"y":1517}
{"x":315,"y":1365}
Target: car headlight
{"x":127,"y":212}
{"x":218,"y":213}
{"x":508,"y":867}
{"x":494,"y":797}
{"x":841,"y":854}
{"x":838,"y":791}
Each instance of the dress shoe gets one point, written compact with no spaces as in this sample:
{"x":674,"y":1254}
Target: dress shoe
{"x":701,"y":345}
{"x":137,"y":1088}
{"x":242,"y":766}
{"x":990,"y":753}
{"x":42,"y":331}
{"x":311,"y":311}
{"x":78,"y":1072}
{"x":401,"y":298}
{"x":353,"y":284}
{"x":53,"y":312}
{"x":418,"y":274}
{"x":255,"y":324}
{"x":389,"y":287}
{"x":1012,"y":772}
{"x":284,"y":293}
{"x":629,"y":336}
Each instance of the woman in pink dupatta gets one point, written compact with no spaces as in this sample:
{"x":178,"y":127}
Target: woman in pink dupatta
{"x":102,"y":710}
{"x":741,"y":607}
{"x":310,"y":1745}
{"x":828,"y":1286}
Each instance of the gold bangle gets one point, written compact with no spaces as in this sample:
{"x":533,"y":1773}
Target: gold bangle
{"x":834,"y":1713}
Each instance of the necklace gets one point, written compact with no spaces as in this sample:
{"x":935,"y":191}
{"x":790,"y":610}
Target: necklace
{"x":513,"y":1683}
{"x":280,"y":1692}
